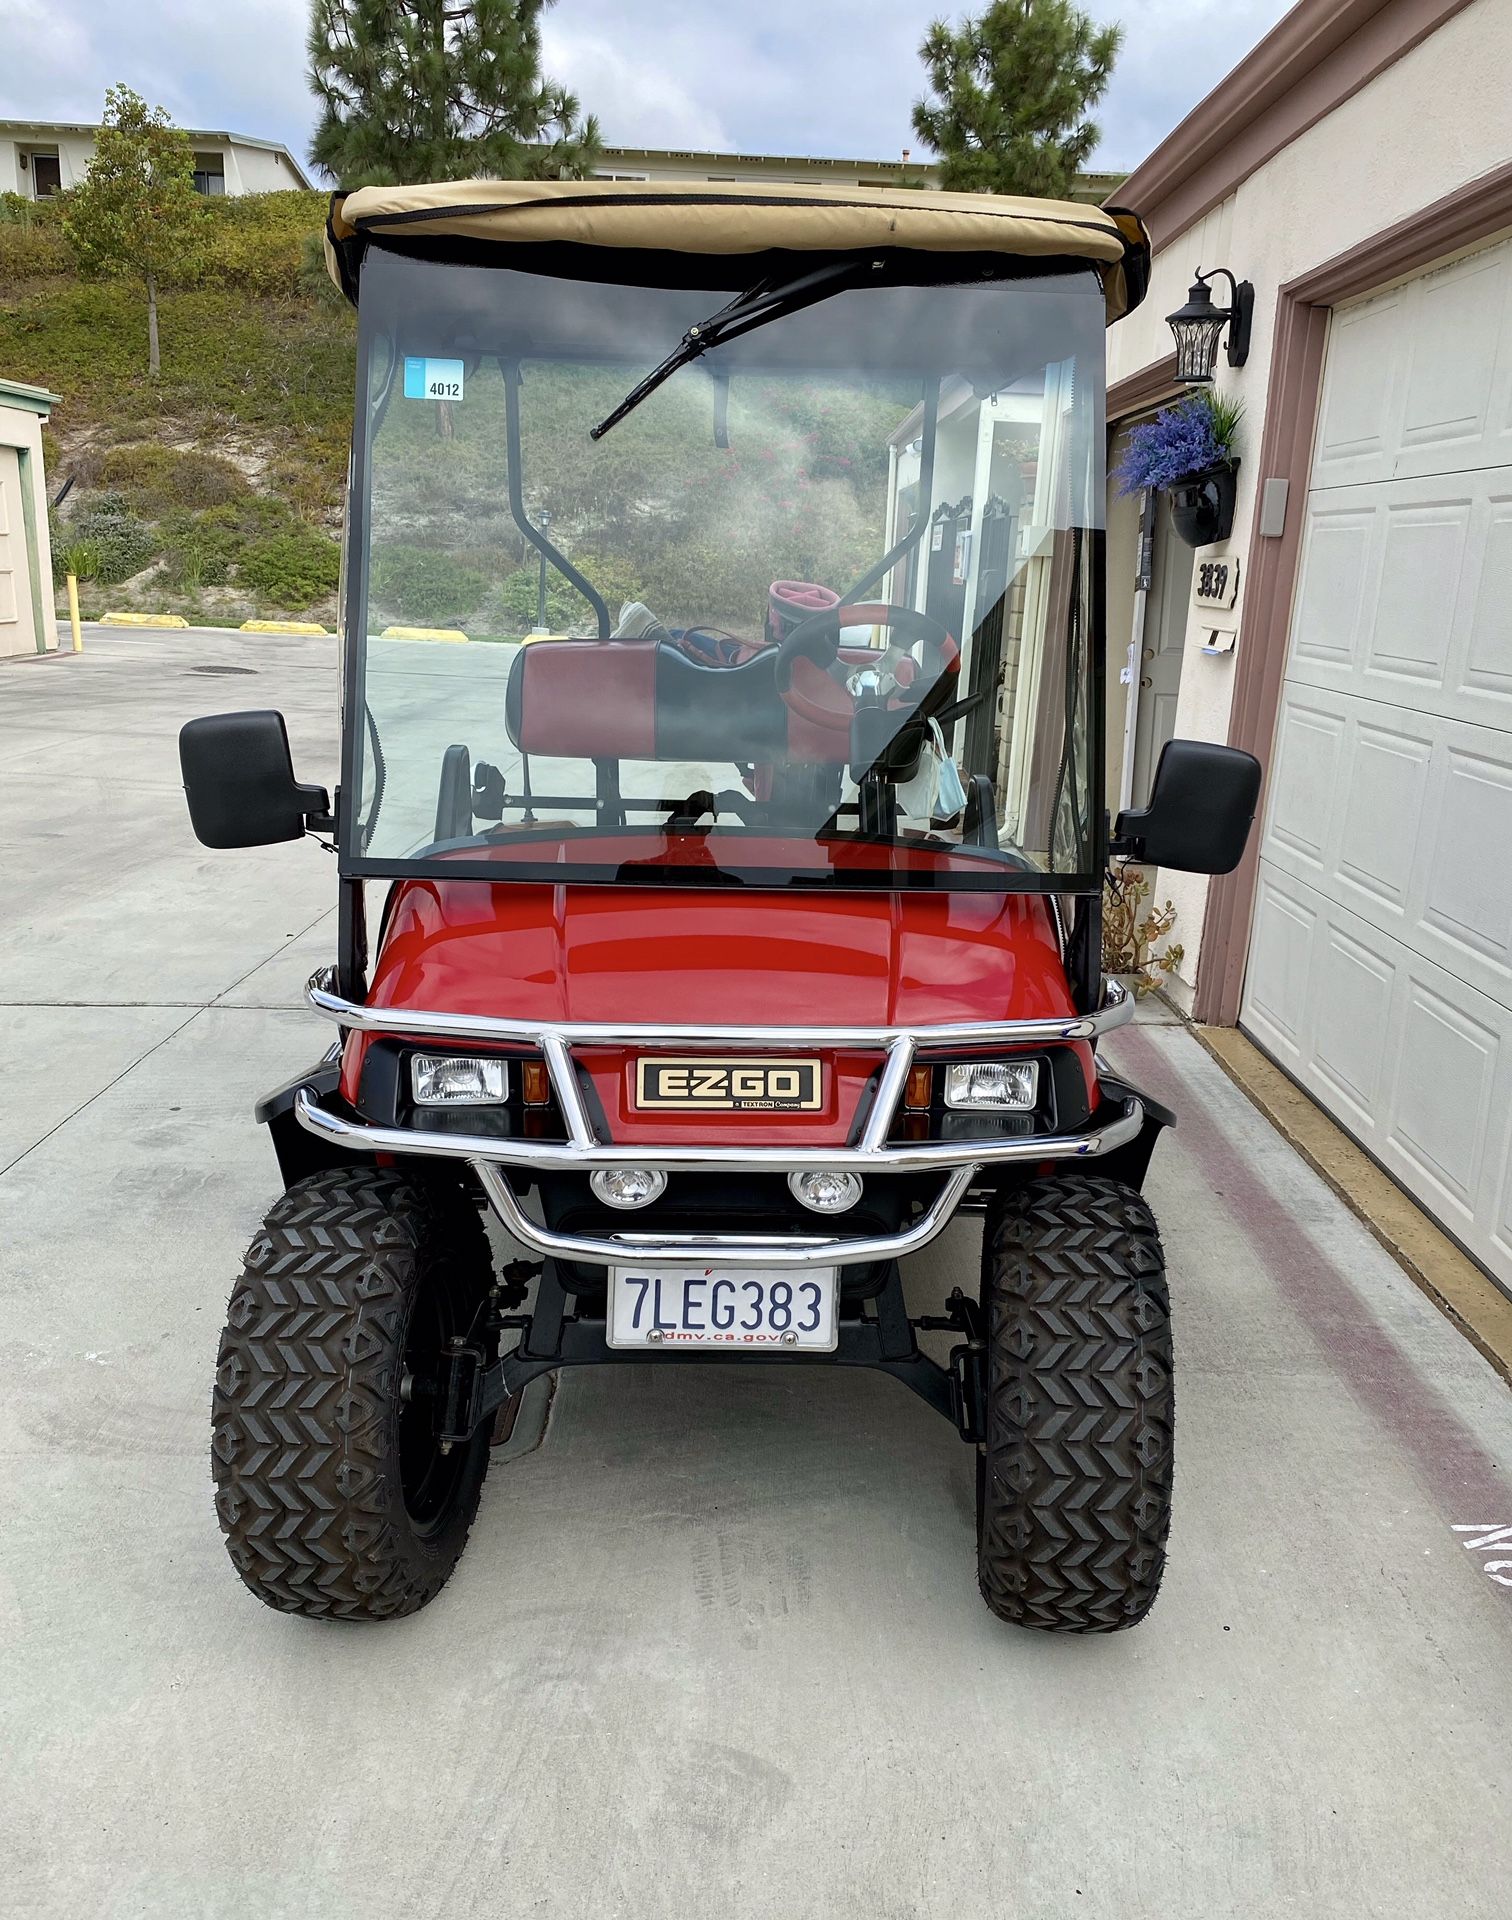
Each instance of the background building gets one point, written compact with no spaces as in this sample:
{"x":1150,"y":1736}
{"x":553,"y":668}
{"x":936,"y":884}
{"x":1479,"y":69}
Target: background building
{"x":27,"y":621}
{"x":654,"y":163}
{"x":41,"y":157}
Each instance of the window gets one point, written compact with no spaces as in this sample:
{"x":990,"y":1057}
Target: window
{"x":47,"y":175}
{"x":601,"y":174}
{"x":209,"y":173}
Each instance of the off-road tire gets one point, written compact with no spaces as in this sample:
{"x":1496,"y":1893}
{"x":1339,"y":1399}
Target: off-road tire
{"x":351,"y":1269}
{"x":1074,"y":1472}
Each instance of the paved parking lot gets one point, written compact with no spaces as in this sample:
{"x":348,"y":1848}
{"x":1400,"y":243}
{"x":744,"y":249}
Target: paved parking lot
{"x":715,"y":1648}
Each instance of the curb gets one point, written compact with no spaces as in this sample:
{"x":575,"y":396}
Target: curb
{"x":172,"y":620}
{"x":1450,"y":1278}
{"x":282,"y":626}
{"x":422,"y":633}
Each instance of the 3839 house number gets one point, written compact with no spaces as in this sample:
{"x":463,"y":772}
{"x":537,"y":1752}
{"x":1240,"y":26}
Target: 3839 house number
{"x":1216,"y":583}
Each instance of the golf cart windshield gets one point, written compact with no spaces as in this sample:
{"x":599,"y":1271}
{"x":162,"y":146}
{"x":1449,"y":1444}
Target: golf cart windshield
{"x":816,"y":607}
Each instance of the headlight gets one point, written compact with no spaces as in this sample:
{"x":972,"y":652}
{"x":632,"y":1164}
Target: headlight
{"x":457,"y":1080}
{"x":998,"y":1086}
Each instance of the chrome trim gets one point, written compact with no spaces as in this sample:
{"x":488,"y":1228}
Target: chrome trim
{"x":936,"y":1156}
{"x":1119,"y":1008}
{"x":563,"y":1076}
{"x":889,"y":1092}
{"x":583,"y":1151}
{"x":725,"y":1250}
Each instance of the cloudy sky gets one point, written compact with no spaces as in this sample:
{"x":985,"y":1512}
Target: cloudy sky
{"x":816,"y":77}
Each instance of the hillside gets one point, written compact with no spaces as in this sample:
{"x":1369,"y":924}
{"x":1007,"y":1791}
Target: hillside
{"x":214,"y":491}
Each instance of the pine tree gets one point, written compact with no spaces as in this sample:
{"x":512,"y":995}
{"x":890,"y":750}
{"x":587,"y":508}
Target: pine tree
{"x":1012,"y":90}
{"x":135,"y":215}
{"x":440,"y":90}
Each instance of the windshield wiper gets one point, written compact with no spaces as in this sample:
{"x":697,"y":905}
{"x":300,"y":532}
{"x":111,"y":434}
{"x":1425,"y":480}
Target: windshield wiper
{"x":753,"y":308}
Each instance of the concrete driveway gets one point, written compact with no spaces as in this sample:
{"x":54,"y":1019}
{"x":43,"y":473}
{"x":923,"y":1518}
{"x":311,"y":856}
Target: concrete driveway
{"x":715,"y":1647}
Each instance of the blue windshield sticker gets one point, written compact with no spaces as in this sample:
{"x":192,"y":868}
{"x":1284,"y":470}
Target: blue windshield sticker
{"x":426,"y":379}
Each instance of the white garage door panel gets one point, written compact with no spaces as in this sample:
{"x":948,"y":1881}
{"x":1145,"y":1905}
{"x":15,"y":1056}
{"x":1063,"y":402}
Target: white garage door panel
{"x":1419,"y":380}
{"x":1380,"y":964}
{"x":1403,"y":817}
{"x":1414,"y":1063}
{"x":1405,"y":594}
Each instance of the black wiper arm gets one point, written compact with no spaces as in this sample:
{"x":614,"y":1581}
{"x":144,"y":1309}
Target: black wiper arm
{"x":753,"y":308}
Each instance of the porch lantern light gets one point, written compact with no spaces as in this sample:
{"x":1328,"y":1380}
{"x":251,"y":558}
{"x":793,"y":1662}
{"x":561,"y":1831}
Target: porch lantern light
{"x":1198,"y":324}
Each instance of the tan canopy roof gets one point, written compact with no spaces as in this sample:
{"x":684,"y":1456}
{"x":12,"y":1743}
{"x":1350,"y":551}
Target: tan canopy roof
{"x":743,"y":217}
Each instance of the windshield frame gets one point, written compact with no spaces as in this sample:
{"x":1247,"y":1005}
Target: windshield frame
{"x":600,"y":266}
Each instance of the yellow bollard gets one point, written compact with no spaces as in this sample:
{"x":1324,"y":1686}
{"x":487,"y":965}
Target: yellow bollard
{"x":73,"y":613}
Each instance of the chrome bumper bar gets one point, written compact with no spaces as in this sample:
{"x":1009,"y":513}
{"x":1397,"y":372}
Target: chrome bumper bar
{"x":583,"y":1151}
{"x":564,"y":1156}
{"x":962,"y":1160}
{"x":322,"y":995}
{"x":720,"y":1249}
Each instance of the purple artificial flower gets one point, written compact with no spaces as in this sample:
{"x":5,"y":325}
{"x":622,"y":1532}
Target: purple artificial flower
{"x":1164,"y":451}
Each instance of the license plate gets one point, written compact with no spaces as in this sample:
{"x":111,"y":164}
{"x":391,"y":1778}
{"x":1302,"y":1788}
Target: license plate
{"x":702,"y":1085}
{"x":789,"y":1309}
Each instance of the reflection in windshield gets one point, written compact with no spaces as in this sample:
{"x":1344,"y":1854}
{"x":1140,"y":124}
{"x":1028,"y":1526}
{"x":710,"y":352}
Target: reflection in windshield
{"x":840,"y":561}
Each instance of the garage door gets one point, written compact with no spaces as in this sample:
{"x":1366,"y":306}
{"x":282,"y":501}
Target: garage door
{"x":1380,"y":965}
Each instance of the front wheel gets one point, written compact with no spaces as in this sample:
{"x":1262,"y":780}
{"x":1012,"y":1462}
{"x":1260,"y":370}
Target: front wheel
{"x":1074,"y":1471}
{"x":333,"y":1492}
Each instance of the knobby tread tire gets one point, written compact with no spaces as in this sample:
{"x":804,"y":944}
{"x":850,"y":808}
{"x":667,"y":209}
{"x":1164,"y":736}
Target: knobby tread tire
{"x":306,"y":1411}
{"x":1074,"y":1476}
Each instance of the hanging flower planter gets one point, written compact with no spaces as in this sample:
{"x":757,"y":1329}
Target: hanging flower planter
{"x":1189,"y":452}
{"x":1202,"y":505}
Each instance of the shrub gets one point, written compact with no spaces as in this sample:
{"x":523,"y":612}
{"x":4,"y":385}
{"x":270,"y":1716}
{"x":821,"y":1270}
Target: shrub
{"x":203,"y":548}
{"x":566,"y":609}
{"x":123,"y":543}
{"x":159,"y":478}
{"x":291,"y":570}
{"x":259,"y":242}
{"x":81,"y":558}
{"x":419,"y":586}
{"x":32,"y":246}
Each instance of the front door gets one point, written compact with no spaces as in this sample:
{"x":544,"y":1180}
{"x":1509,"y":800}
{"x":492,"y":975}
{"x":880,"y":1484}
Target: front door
{"x":17,"y":624}
{"x":1165,"y":626}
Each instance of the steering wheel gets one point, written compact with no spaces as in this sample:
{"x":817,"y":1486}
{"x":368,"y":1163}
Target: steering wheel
{"x":806,"y":656}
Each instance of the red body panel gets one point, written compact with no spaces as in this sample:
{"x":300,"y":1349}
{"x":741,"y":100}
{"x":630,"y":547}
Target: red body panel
{"x":718,"y":956}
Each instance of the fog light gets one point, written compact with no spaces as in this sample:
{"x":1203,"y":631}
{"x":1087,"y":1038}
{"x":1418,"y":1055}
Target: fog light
{"x":1000,"y":1086}
{"x":828,"y":1191}
{"x":627,"y":1187}
{"x":457,"y":1080}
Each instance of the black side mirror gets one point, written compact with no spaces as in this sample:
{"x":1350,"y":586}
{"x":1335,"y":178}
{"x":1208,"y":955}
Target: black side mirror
{"x":1200,"y":810}
{"x":239,"y":780}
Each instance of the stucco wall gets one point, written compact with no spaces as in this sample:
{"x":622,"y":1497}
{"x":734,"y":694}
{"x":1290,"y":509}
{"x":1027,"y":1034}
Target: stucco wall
{"x":258,"y":171}
{"x":20,"y":427}
{"x":75,"y":151}
{"x":248,"y":169}
{"x":1433,"y":121}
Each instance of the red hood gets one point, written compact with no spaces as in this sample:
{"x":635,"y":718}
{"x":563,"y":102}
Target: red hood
{"x":541,"y":952}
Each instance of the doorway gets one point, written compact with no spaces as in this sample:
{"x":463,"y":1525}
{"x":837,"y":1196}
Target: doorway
{"x":1164,"y":645}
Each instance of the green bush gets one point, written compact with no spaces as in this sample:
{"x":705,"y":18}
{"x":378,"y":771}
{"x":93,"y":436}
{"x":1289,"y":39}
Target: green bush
{"x":81,"y":558}
{"x":419,"y":586}
{"x":32,"y":246}
{"x":566,"y":609}
{"x":259,"y":242}
{"x":291,"y":570}
{"x":158,"y":478}
{"x":123,"y":543}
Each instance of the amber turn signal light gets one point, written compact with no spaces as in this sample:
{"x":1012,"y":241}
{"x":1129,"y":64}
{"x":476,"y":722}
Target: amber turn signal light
{"x":919,"y":1088}
{"x":535,"y":1083}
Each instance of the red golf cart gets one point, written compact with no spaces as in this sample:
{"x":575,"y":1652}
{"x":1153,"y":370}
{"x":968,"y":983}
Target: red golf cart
{"x":724,"y":740}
